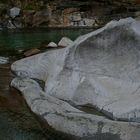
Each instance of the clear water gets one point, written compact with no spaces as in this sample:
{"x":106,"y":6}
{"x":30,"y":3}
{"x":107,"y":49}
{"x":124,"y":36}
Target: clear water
{"x":30,"y":38}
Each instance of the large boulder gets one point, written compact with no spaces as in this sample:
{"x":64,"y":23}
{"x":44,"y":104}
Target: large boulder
{"x":65,"y":118}
{"x":100,"y":68}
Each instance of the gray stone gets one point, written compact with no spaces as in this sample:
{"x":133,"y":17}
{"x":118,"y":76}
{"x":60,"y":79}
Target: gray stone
{"x":52,"y":45}
{"x":100,"y":68}
{"x":65,"y":118}
{"x":15,"y":11}
{"x":64,"y":42}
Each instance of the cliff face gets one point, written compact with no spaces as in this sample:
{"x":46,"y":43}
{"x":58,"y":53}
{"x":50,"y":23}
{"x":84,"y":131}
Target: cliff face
{"x":63,"y":13}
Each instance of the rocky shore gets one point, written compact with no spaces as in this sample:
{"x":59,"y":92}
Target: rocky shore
{"x":63,"y":13}
{"x":99,"y":69}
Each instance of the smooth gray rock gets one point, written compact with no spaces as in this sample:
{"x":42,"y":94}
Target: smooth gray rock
{"x":65,"y":118}
{"x":100,"y":68}
{"x":64,"y":42}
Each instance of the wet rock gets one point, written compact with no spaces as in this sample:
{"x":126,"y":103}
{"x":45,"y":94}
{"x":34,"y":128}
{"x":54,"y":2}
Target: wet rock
{"x":4,"y":60}
{"x":52,"y":45}
{"x":31,"y":52}
{"x":64,"y":42}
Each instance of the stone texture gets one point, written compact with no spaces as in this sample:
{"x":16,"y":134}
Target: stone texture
{"x":65,"y":118}
{"x":64,"y":42}
{"x":100,"y":68}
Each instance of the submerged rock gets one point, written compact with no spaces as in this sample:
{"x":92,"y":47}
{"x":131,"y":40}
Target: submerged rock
{"x":100,"y":68}
{"x":64,"y":42}
{"x":4,"y":60}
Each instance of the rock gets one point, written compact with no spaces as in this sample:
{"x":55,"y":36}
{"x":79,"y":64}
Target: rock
{"x":31,"y":52}
{"x":52,"y":45}
{"x":64,"y":42}
{"x":63,"y":117}
{"x":14,"y":12}
{"x":4,"y":60}
{"x":100,"y":68}
{"x":10,"y":25}
{"x":41,"y":17}
{"x":89,"y":22}
{"x":76,"y":17}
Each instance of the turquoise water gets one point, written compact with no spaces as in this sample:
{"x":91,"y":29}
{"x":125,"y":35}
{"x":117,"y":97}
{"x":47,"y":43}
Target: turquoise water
{"x":30,"y":38}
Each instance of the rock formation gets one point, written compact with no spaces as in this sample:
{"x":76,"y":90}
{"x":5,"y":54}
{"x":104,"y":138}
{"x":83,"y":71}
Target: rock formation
{"x":100,"y":69}
{"x":63,"y":13}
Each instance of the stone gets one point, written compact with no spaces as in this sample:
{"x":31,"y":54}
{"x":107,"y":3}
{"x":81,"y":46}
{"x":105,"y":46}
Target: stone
{"x":41,"y":17}
{"x":64,"y":42}
{"x":14,"y":12}
{"x":52,"y":45}
{"x":4,"y":60}
{"x":100,"y":69}
{"x":10,"y":25}
{"x":63,"y":117}
{"x":76,"y":17}
{"x":89,"y":22}
{"x":31,"y":52}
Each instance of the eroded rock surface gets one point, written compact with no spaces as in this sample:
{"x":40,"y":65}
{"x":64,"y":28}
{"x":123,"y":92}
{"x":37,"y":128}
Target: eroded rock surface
{"x":101,"y":69}
{"x":65,"y":118}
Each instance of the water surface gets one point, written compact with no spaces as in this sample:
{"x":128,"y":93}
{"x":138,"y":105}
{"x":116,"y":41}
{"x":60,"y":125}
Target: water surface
{"x":30,"y":38}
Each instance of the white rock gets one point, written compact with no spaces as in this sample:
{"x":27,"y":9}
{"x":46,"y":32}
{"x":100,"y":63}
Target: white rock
{"x":4,"y":60}
{"x":100,"y":68}
{"x":64,"y":42}
{"x":52,"y":45}
{"x":65,"y":118}
{"x":15,"y":11}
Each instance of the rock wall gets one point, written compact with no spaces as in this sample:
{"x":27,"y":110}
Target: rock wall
{"x":62,"y":13}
